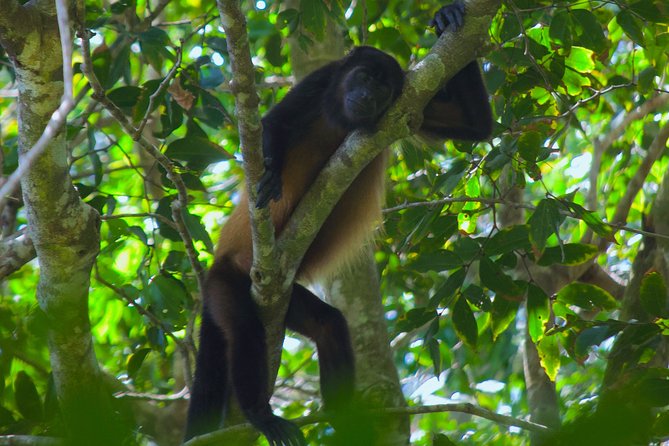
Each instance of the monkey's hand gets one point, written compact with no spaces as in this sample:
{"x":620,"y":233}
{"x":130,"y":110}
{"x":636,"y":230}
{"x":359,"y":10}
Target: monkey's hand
{"x":280,"y":432}
{"x":449,"y":18}
{"x":269,"y":186}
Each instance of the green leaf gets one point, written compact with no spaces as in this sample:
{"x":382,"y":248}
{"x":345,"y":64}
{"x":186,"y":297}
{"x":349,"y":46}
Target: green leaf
{"x":138,"y":232}
{"x":594,"y":336}
{"x":465,"y":323}
{"x":288,"y":18}
{"x":447,"y":182}
{"x":581,"y":59}
{"x":165,"y":209}
{"x":593,"y":221}
{"x":435,"y":355}
{"x":153,"y":43}
{"x":631,"y":25}
{"x":415,"y":318}
{"x":503,"y":313}
{"x":654,"y":11}
{"x":472,"y":187}
{"x":529,"y":146}
{"x":477,"y":297}
{"x":590,"y":33}
{"x":442,"y":440}
{"x":655,"y":391}
{"x":437,"y":261}
{"x":26,"y":397}
{"x":197,"y":230}
{"x":197,"y":152}
{"x":560,"y":29}
{"x":273,"y":50}
{"x":544,"y":222}
{"x":313,"y":17}
{"x":538,"y":312}
{"x":586,"y":296}
{"x":468,"y":248}
{"x":120,"y":64}
{"x":512,"y":238}
{"x":125,"y":97}
{"x":167,"y":297}
{"x":135,"y":361}
{"x":549,"y":355}
{"x":418,"y":223}
{"x":496,"y":280}
{"x":510,"y":28}
{"x":6,"y":417}
{"x":568,"y":254}
{"x":653,"y":294}
{"x":444,"y":295}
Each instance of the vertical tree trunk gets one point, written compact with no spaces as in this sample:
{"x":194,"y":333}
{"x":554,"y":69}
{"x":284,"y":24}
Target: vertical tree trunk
{"x":64,"y":230}
{"x":356,"y":294}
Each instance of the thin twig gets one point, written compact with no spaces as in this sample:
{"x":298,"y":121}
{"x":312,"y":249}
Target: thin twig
{"x":181,"y":394}
{"x":634,"y":186}
{"x":159,"y":91}
{"x":600,"y":146}
{"x":162,"y":218}
{"x":140,"y":308}
{"x":495,"y":201}
{"x":155,"y":13}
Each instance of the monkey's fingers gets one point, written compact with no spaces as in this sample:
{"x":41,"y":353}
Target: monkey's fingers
{"x":450,"y":17}
{"x":280,"y":432}
{"x":269,"y":188}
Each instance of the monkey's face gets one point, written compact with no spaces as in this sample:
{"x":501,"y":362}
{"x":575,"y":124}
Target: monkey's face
{"x":366,"y":96}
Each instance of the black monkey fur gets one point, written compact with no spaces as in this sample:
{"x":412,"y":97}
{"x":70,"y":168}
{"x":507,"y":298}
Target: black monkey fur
{"x":299,"y":135}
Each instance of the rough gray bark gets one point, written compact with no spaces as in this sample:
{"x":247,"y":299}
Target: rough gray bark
{"x":15,"y":251}
{"x":63,"y":229}
{"x":356,"y":294}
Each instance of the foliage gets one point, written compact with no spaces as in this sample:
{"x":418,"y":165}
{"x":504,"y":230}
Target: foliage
{"x":461,"y":283}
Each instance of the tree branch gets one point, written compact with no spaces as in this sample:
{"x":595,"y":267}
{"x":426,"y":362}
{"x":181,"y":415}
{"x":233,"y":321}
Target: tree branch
{"x":226,"y":435}
{"x":450,"y":54}
{"x":15,"y":252}
{"x":654,"y":152}
{"x":58,"y":117}
{"x":266,"y":276}
{"x":603,"y":144}
{"x":29,"y":440}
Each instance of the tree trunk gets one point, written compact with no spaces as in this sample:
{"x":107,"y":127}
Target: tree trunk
{"x":64,"y":230}
{"x":356,"y":293}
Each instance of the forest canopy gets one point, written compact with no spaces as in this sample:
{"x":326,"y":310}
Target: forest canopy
{"x":516,"y":292}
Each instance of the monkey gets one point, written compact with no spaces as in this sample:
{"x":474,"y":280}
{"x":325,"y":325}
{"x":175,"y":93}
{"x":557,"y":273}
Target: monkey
{"x":300,"y":134}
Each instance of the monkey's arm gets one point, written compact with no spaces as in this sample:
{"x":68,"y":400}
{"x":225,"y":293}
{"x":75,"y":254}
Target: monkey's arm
{"x":286,"y":125}
{"x":460,"y":110}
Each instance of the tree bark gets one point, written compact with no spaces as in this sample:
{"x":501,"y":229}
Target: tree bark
{"x":356,"y":294}
{"x":64,"y":230}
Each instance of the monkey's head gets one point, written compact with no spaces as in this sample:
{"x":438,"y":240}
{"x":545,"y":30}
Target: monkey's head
{"x":369,"y":82}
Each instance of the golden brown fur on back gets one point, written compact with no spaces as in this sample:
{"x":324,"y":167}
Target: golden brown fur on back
{"x":348,"y":227}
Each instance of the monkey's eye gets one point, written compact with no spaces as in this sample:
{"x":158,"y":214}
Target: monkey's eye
{"x":362,"y":76}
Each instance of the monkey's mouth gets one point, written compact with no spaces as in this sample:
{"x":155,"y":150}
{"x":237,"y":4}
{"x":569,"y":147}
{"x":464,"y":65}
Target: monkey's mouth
{"x":360,"y":108}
